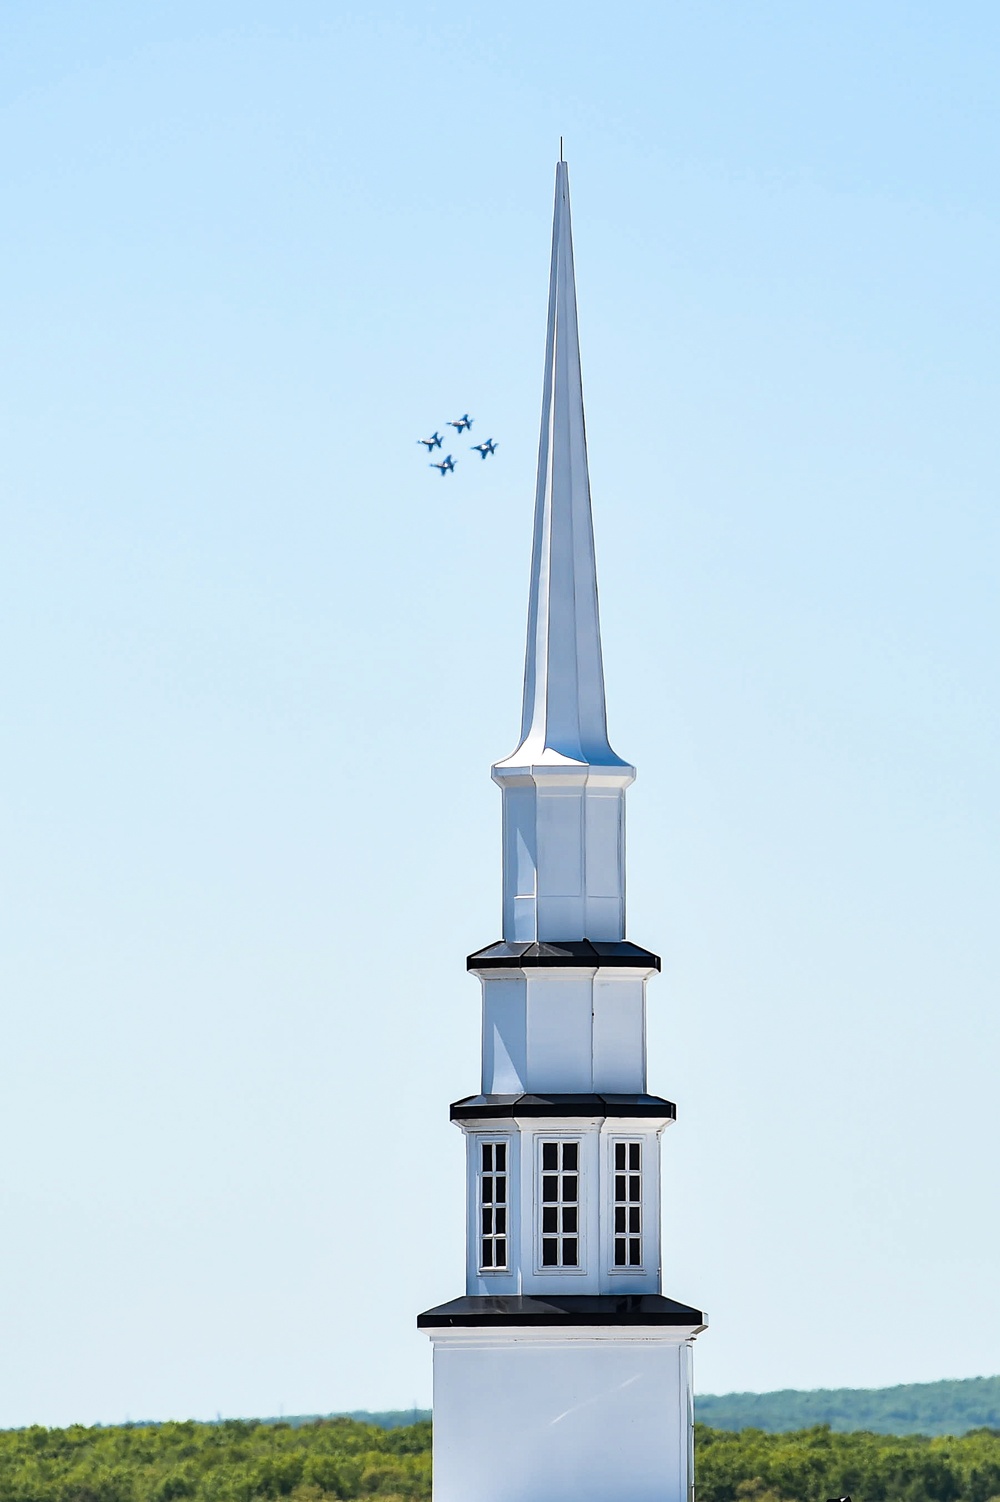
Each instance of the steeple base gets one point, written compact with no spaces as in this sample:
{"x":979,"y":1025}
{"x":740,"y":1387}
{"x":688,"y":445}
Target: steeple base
{"x":574,"y":1413}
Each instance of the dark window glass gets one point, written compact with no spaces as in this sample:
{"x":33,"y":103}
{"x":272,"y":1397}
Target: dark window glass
{"x":569,"y":1251}
{"x":492,"y":1192}
{"x":550,"y":1219}
{"x":550,"y":1155}
{"x":550,"y":1251}
{"x":569,"y":1219}
{"x":628,"y":1204}
{"x":550,"y":1187}
{"x":569,"y":1154}
{"x":569,"y":1186}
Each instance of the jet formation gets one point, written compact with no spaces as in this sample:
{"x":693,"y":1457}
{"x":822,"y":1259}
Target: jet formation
{"x":446,"y":466}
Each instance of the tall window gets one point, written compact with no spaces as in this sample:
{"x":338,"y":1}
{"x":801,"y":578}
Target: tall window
{"x":628,"y":1204}
{"x":493,"y":1207}
{"x":560,"y":1204}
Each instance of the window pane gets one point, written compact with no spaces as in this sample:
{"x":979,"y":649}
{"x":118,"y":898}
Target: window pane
{"x":569,"y":1251}
{"x":550,"y":1256}
{"x":569,"y":1155}
{"x":500,"y":1253}
{"x":634,"y":1192}
{"x":634,"y":1259}
{"x":500,"y":1189}
{"x":569,"y":1186}
{"x":501,"y":1152}
{"x":550,"y":1220}
{"x":619,"y":1155}
{"x":487,"y":1156}
{"x":550,"y":1187}
{"x":569,"y":1220}
{"x":487,"y":1222}
{"x":487,"y":1254}
{"x":620,"y":1218}
{"x":633,"y":1155}
{"x":619,"y":1251}
{"x":550,"y":1155}
{"x":501,"y":1221}
{"x":619,"y":1186}
{"x":633,"y":1218}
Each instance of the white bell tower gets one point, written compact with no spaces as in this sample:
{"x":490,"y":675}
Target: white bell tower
{"x":563,"y":1375}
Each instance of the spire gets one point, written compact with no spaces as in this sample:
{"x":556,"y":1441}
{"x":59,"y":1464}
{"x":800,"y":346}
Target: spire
{"x":564,"y":717}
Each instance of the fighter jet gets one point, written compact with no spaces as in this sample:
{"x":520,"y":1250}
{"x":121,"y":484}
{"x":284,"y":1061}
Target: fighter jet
{"x":482,"y":449}
{"x":463,"y":424}
{"x":446,"y":466}
{"x":431,"y":443}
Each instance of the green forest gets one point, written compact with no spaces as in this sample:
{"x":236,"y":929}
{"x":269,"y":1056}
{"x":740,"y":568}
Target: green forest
{"x":242,"y":1461}
{"x":914,"y":1408}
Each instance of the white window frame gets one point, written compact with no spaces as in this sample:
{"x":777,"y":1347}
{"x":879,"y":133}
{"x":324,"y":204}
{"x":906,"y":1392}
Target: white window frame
{"x":546,"y":1270}
{"x":614,"y":1203}
{"x":480,"y":1171}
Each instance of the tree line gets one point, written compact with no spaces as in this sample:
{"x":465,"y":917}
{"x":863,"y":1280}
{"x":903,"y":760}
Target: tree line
{"x":335,"y":1460}
{"x":950,"y":1407}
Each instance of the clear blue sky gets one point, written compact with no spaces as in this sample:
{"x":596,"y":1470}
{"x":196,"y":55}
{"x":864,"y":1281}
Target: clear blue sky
{"x":256,"y":660}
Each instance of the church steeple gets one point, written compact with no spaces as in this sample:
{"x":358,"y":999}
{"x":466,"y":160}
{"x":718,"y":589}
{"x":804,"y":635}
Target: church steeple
{"x":564,"y":787}
{"x":563,"y":1371}
{"x":564,"y":716}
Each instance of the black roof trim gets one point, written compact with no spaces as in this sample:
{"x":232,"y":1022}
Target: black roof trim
{"x":506,"y":1107}
{"x":561,"y":1309}
{"x":502,"y":956}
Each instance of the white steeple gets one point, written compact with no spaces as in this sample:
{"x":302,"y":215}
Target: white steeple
{"x":563,"y":1371}
{"x":564,"y":717}
{"x":564,"y":807}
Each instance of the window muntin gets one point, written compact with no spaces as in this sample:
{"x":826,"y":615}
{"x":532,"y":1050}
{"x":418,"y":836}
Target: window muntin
{"x":559,"y":1204}
{"x":627,"y":1207}
{"x":493,"y":1180}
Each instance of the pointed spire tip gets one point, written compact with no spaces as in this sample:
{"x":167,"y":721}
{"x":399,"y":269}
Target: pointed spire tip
{"x":563,"y":713}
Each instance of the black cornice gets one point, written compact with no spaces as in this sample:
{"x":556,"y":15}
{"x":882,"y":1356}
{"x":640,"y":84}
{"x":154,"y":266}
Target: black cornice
{"x":571,"y":952}
{"x":561,"y":1309}
{"x":507,"y":1107}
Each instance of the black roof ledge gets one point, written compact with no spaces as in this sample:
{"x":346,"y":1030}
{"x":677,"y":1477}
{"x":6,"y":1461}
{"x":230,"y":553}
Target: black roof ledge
{"x":628,"y":1309}
{"x":592,"y":953}
{"x":507,"y":1107}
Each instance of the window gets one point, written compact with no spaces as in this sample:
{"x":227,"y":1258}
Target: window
{"x":493,"y":1207}
{"x":628,"y":1204}
{"x":560,"y":1204}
